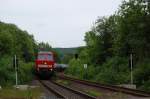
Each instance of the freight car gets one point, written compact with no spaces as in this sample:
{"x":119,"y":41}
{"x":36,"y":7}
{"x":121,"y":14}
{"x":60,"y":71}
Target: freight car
{"x":60,"y":67}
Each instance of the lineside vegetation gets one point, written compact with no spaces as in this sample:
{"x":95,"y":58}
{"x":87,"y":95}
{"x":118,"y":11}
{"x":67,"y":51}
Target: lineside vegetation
{"x":111,"y":41}
{"x":14,"y":41}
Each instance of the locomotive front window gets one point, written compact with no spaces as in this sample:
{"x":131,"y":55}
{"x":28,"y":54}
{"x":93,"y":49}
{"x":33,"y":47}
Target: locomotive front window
{"x":45,"y":57}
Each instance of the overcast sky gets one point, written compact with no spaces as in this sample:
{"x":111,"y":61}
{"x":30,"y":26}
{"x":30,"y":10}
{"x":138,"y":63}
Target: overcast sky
{"x":61,"y":23}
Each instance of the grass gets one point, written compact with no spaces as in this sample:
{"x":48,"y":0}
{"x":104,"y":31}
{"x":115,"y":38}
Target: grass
{"x":64,"y":82}
{"x":90,"y":92}
{"x":119,"y":95}
{"x":93,"y":93}
{"x":11,"y":93}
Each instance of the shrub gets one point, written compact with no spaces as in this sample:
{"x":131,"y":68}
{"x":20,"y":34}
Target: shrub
{"x":76,"y":68}
{"x":7,"y":71}
{"x":145,"y":86}
{"x":142,"y":75}
{"x":114,"y":71}
{"x":25,"y":72}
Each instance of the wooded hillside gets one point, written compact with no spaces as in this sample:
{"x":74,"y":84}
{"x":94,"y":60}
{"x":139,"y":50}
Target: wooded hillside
{"x":110,"y":43}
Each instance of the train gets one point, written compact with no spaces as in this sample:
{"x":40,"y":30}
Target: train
{"x":60,"y":67}
{"x":44,"y":64}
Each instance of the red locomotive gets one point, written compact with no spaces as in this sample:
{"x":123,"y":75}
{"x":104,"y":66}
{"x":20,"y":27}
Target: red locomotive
{"x":44,"y":63}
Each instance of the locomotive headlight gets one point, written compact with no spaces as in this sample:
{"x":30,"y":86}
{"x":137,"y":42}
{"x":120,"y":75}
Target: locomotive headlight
{"x":45,"y":63}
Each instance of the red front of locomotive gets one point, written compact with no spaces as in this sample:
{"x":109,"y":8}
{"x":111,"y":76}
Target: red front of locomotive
{"x":45,"y":62}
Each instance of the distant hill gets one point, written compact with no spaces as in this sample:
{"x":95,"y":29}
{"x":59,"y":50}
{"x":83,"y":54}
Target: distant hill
{"x":66,"y":50}
{"x":65,"y":54}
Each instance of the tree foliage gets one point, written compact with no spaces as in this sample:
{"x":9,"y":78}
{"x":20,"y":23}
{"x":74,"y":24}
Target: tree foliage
{"x":14,"y":41}
{"x":44,"y":46}
{"x":112,"y":39}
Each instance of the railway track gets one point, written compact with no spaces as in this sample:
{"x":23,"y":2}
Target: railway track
{"x":63,"y":92}
{"x":55,"y":93}
{"x":133,"y":92}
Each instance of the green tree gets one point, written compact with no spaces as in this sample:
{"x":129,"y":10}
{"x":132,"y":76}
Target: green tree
{"x":6,"y":43}
{"x":44,"y":46}
{"x":133,"y":32}
{"x":15,"y":41}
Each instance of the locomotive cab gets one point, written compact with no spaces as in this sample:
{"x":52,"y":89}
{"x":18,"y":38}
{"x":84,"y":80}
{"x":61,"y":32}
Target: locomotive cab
{"x":44,"y":63}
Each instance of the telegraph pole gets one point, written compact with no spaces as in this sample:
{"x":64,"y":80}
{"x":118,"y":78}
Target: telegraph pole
{"x":85,"y":67}
{"x":131,"y":66}
{"x":16,"y":68}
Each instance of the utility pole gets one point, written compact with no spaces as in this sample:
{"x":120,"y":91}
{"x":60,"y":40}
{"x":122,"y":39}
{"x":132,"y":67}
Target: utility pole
{"x":85,"y":67}
{"x":16,"y":68}
{"x":131,"y":66}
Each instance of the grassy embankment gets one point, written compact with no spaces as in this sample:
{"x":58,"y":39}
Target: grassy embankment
{"x":11,"y":93}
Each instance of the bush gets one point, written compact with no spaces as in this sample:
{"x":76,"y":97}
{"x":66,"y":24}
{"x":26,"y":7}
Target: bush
{"x":142,"y":75}
{"x":25,"y":72}
{"x":7,"y":72}
{"x":76,"y":68}
{"x":145,"y":86}
{"x":114,"y":71}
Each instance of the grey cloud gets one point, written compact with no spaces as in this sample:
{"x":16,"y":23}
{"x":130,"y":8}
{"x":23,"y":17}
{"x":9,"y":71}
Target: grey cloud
{"x":62,"y":23}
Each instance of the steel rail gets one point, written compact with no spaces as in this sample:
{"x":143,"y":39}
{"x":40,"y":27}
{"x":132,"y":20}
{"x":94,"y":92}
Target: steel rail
{"x":75,"y":91}
{"x":52,"y":90}
{"x":134,"y":92}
